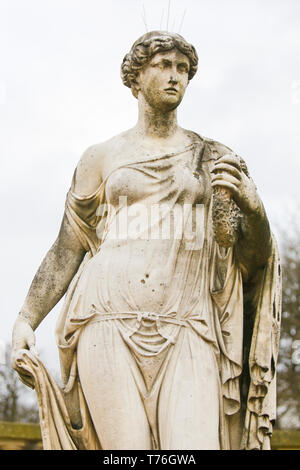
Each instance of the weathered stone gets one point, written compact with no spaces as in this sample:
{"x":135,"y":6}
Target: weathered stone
{"x":169,"y":334}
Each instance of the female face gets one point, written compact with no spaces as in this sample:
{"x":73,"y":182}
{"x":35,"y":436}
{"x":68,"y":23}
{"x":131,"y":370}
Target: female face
{"x":163,"y":81}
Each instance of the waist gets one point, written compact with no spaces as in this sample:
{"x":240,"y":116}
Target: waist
{"x":139,"y":316}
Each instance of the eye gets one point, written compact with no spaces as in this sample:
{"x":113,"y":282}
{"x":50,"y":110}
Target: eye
{"x":166,"y":64}
{"x":162,"y":64}
{"x":183,"y":68}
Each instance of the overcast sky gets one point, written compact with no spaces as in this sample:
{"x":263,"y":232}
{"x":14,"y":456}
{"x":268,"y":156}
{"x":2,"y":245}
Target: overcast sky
{"x":60,"y":92}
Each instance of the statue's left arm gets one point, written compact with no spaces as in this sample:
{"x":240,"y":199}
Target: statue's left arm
{"x":253,"y":246}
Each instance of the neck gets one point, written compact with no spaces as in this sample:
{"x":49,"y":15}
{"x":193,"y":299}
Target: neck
{"x":156,"y":123}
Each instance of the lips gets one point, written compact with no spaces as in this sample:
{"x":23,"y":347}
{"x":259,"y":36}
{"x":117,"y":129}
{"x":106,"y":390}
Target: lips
{"x":171,"y":89}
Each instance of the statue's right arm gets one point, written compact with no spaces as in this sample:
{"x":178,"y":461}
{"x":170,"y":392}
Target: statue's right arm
{"x":57,"y":268}
{"x":49,"y":284}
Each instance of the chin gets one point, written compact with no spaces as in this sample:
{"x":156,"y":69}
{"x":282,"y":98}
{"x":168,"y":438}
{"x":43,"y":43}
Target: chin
{"x":169,"y":104}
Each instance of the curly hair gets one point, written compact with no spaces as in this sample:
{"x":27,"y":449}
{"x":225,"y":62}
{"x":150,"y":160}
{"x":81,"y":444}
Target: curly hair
{"x":147,"y":46}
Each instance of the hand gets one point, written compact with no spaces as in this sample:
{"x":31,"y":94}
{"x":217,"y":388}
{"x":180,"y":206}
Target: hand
{"x":23,"y":339}
{"x":228,"y":174}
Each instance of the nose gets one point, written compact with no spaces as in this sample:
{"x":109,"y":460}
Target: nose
{"x":173,"y":80}
{"x":173,"y":77}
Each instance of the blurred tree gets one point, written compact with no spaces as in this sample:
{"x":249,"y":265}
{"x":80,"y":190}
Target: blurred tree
{"x":288,"y":383}
{"x":17,"y":402}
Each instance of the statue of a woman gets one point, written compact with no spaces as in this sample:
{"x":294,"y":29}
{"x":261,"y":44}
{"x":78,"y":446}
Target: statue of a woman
{"x":169,"y":333}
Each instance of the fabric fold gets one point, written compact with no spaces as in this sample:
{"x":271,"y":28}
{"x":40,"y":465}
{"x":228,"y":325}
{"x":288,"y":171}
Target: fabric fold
{"x":56,"y":427}
{"x":195,"y":294}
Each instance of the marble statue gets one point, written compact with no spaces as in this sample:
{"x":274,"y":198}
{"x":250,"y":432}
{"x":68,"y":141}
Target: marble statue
{"x":168,"y":336}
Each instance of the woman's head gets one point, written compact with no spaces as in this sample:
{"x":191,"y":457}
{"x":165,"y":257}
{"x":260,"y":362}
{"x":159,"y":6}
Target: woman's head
{"x":146,"y":47}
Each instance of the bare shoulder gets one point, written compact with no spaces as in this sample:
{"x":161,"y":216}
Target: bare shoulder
{"x":91,"y":166}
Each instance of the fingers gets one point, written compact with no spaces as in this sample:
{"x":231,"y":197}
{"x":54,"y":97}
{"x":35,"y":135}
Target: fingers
{"x":17,"y":358}
{"x":226,"y":180}
{"x":226,"y":184}
{"x":23,"y":345}
{"x":230,"y":159}
{"x":221,"y":167}
{"x":227,"y":173}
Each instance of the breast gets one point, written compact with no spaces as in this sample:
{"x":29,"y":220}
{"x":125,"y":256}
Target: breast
{"x":153,"y":182}
{"x":129,"y":183}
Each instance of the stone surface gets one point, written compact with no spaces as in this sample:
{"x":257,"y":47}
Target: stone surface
{"x":170,"y":328}
{"x":20,"y":436}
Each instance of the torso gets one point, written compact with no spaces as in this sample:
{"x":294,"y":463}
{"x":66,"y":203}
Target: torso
{"x":148,"y":273}
{"x":101,"y":159}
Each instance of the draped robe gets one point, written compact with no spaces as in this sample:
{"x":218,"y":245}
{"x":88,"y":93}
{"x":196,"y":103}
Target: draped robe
{"x":203,"y":291}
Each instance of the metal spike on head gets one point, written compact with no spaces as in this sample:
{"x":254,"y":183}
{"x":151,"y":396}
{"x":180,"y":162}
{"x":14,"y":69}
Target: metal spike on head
{"x":161,"y":19}
{"x":144,"y":17}
{"x":182,"y":19}
{"x":168,"y":15}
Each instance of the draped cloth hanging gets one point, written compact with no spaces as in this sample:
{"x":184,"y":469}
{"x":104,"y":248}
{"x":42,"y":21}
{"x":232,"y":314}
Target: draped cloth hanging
{"x":203,"y":302}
